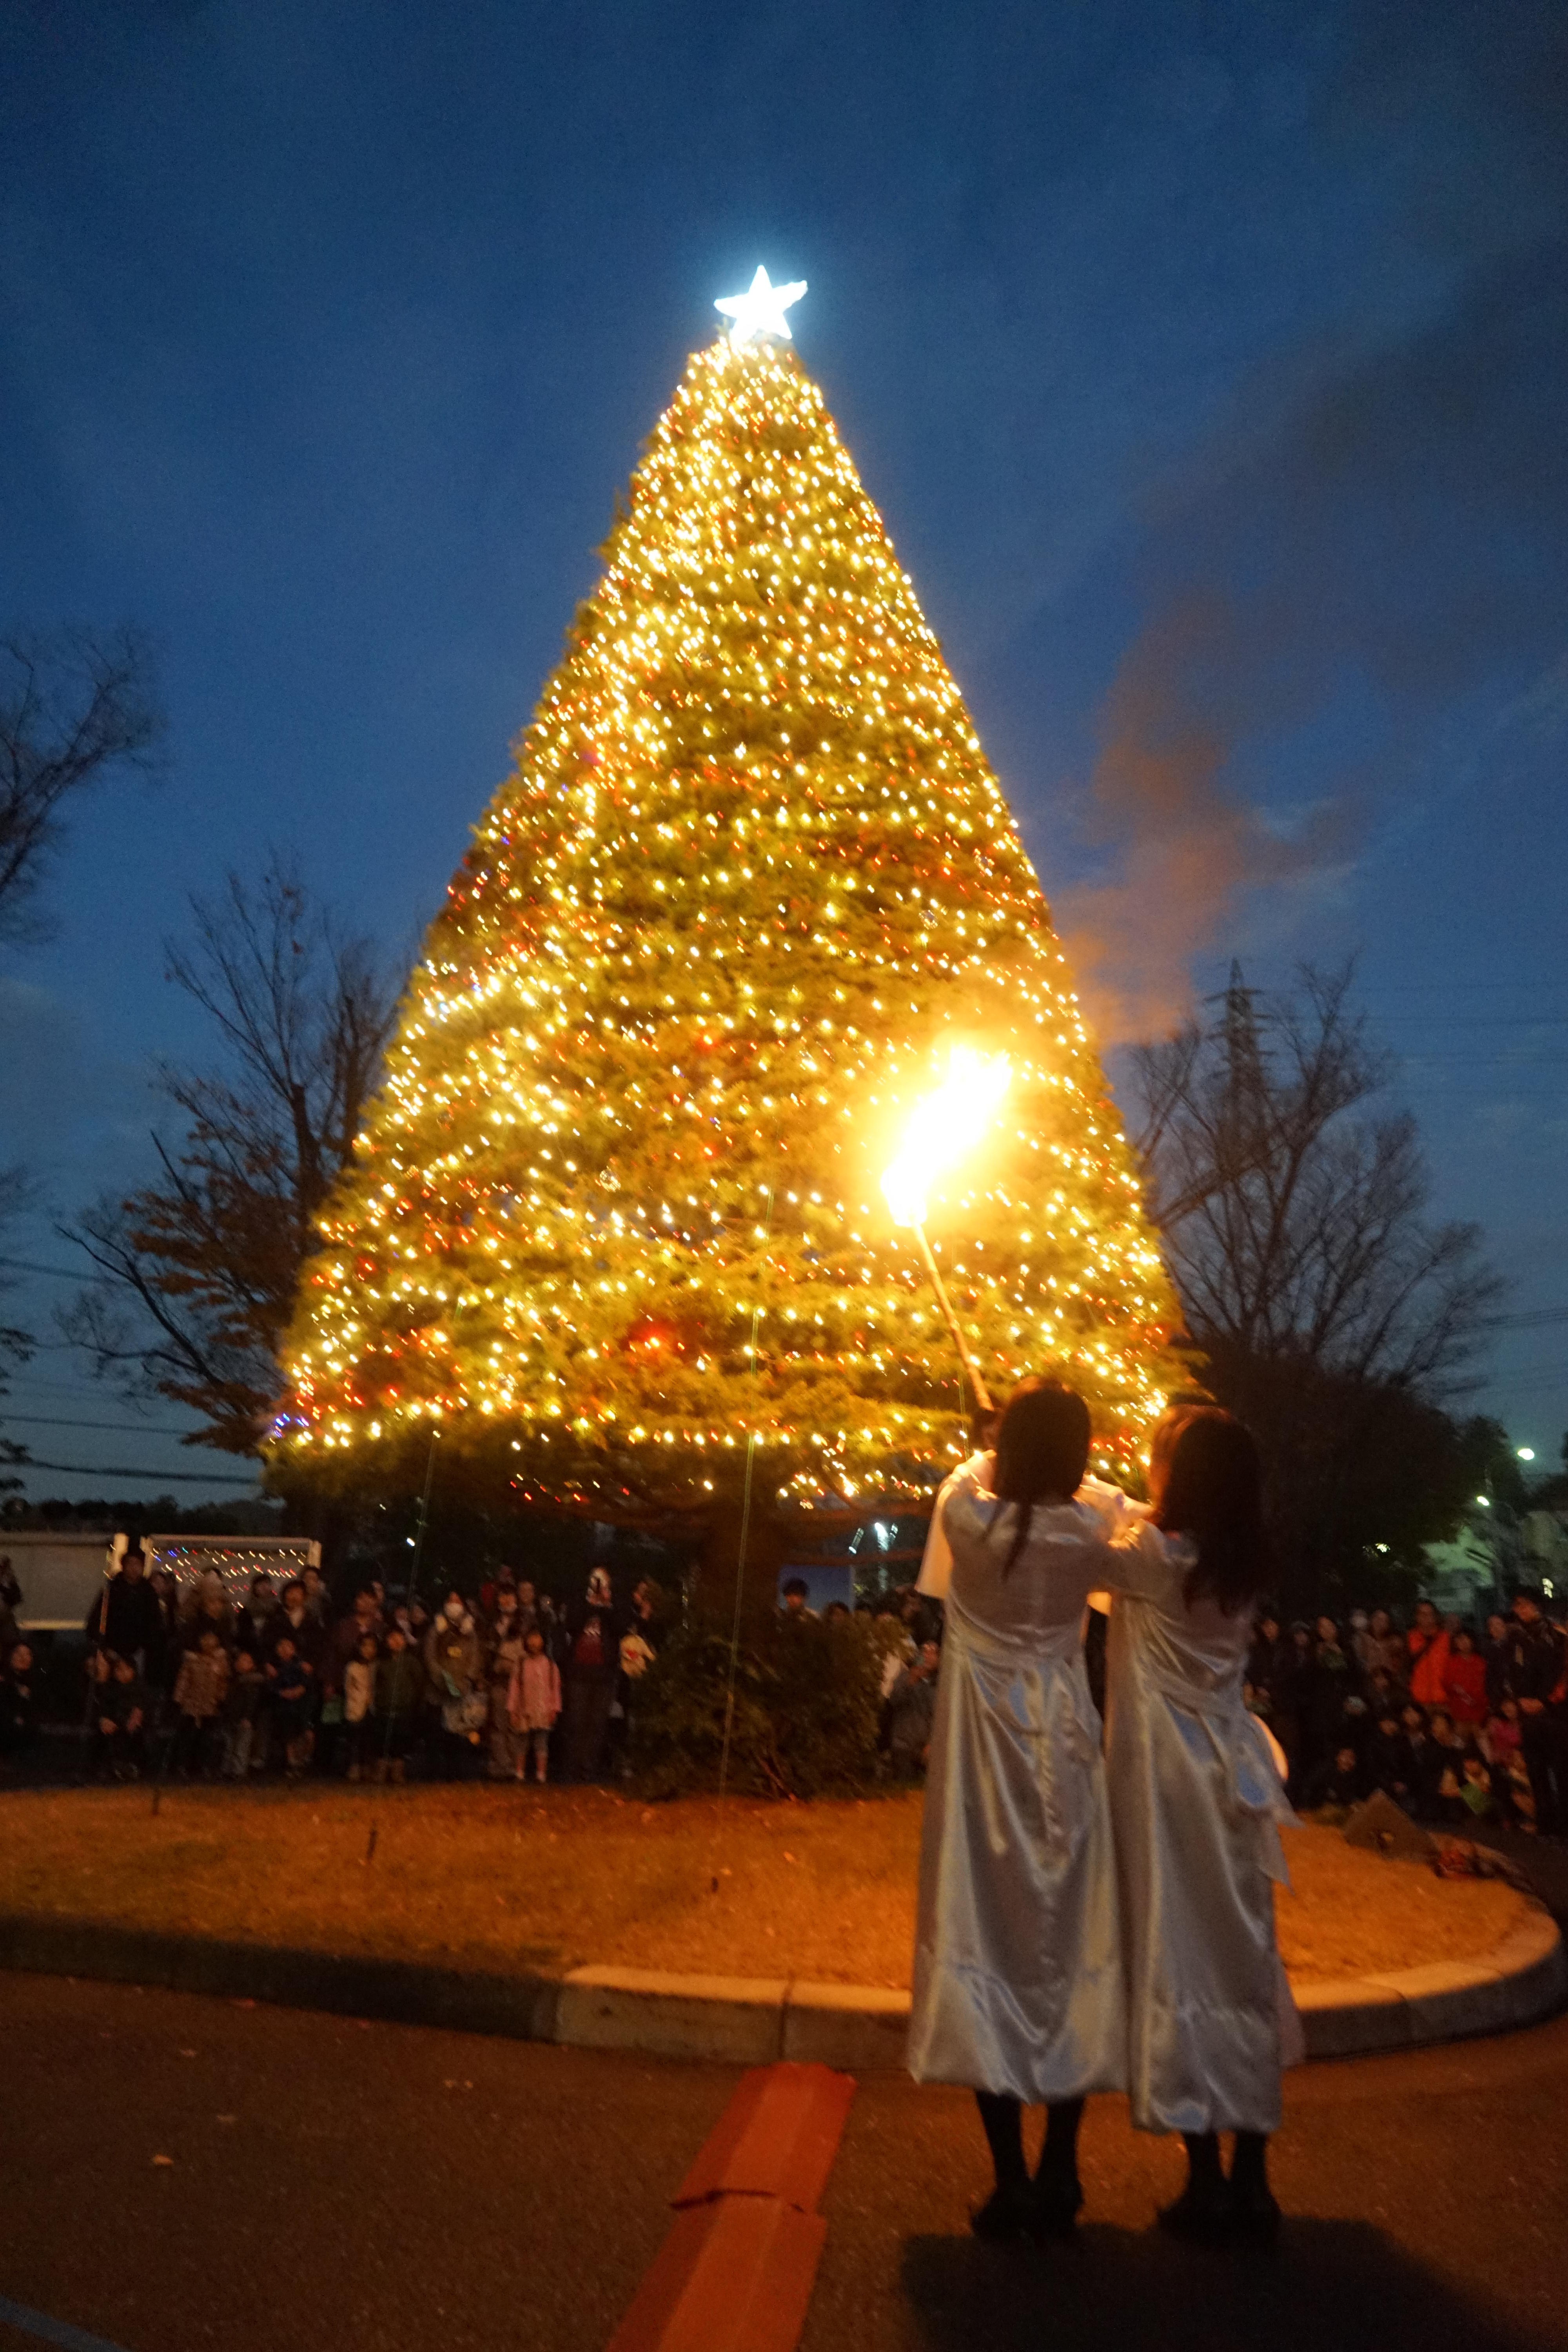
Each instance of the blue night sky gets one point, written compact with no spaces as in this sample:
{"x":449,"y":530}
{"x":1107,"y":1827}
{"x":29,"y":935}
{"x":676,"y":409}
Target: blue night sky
{"x":1209,"y":364}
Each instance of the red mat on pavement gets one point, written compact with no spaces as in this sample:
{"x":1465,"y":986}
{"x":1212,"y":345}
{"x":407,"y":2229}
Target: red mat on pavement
{"x":736,"y":2272}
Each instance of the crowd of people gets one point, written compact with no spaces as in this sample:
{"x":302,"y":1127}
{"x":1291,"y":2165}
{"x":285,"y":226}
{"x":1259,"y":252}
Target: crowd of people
{"x":1457,"y":1724}
{"x":189,"y":1679}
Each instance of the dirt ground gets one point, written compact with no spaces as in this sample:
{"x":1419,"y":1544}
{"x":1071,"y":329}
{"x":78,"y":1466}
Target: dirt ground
{"x":502,"y":1878}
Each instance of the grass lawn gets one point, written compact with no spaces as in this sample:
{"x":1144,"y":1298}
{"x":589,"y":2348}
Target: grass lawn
{"x":501,"y":1878}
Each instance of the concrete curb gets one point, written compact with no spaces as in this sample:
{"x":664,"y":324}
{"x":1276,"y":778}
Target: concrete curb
{"x":743,"y":2020}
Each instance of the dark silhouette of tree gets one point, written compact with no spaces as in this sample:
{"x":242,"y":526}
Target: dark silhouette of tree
{"x":1330,"y":1312}
{"x":74,"y":708}
{"x":197,"y":1272}
{"x":15,"y":1345}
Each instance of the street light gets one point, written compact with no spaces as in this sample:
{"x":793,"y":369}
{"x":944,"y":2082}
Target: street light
{"x":1525,"y":1453}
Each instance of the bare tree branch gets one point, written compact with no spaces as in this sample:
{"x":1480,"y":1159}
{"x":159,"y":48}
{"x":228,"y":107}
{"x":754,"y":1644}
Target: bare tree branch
{"x":15,"y":1345}
{"x":1293,"y":1227}
{"x":74,"y":708}
{"x":197,"y":1273}
{"x":1330,"y":1314}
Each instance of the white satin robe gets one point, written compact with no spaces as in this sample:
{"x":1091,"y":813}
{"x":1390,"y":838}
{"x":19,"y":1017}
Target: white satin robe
{"x":1196,"y":1804}
{"x":1017,"y":1976}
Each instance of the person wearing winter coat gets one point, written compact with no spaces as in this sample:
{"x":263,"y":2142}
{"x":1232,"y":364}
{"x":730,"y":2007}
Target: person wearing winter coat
{"x":125,"y":1617}
{"x":242,"y":1704}
{"x":1389,"y":1764}
{"x":204,"y":1605}
{"x":1337,"y":1781}
{"x":593,"y":1662}
{"x":359,"y":1703}
{"x":257,"y":1613}
{"x":296,"y":1623}
{"x":401,"y":1690}
{"x":1426,"y":1656}
{"x":291,"y":1689}
{"x":1465,"y":1680}
{"x":345,"y":1637}
{"x":1381,"y":1644}
{"x":19,"y":1695}
{"x":912,"y":1711}
{"x":10,"y":1601}
{"x":507,"y":1746}
{"x":533,"y":1704}
{"x":200,"y":1689}
{"x":120,"y":1721}
{"x":1537,"y":1678}
{"x":454,"y":1665}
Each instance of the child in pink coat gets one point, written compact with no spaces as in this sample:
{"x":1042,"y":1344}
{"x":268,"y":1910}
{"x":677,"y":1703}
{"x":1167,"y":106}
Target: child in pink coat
{"x":533,"y":1702}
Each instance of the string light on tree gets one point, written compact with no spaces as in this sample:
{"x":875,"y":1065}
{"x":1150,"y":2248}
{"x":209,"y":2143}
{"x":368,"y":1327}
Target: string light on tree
{"x":749,"y":881}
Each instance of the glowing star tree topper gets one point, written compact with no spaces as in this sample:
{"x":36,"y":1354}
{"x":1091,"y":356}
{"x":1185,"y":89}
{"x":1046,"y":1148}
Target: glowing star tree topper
{"x":759,"y":310}
{"x":749,"y":880}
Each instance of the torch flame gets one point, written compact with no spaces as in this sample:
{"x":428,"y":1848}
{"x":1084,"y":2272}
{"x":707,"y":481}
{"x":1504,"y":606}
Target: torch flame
{"x":942,"y":1128}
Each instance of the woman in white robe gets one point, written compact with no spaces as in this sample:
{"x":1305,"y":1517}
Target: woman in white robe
{"x":1018,"y":1988}
{"x":1196,"y":1803}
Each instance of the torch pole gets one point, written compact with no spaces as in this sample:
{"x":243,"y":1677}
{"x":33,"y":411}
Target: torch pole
{"x":983,"y":1394}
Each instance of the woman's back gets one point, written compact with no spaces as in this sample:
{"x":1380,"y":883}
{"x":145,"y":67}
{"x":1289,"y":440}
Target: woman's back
{"x":1199,"y":1646}
{"x":1036,"y":1604}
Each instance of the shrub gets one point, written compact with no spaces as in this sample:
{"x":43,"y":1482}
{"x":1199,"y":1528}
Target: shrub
{"x":805,"y":1707}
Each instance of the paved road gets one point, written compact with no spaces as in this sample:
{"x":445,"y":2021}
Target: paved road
{"x":355,"y":2188}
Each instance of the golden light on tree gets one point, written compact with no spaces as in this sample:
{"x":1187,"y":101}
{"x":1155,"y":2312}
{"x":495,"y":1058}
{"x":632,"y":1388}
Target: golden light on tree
{"x":749,"y":880}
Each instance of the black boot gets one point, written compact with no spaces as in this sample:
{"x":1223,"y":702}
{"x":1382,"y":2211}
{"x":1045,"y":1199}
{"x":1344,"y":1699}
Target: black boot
{"x":1254,"y":2207}
{"x":1202,"y":2211}
{"x":1006,"y":2211}
{"x":1057,"y":2193}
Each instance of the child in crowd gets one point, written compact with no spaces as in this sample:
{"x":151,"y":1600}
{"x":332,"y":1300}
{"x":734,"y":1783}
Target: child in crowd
{"x":509,"y":1748}
{"x":359,"y":1701}
{"x":533,"y":1704}
{"x":1477,"y":1793}
{"x":200,"y":1689}
{"x":120,"y":1720}
{"x":911,"y":1713}
{"x":247,"y":1688}
{"x":293,"y":1693}
{"x":398,"y":1703}
{"x":1388,"y":1759}
{"x":1336,"y":1783}
{"x":1501,"y":1735}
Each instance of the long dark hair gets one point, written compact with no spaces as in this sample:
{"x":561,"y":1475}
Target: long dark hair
{"x":1042,"y":1448}
{"x":1214,"y":1495}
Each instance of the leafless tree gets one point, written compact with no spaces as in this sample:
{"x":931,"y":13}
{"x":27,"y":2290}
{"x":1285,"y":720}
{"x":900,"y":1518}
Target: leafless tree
{"x":1293,"y":1226}
{"x":15,"y":1345}
{"x":197,"y":1272}
{"x":1327,"y":1308}
{"x":74,"y":706}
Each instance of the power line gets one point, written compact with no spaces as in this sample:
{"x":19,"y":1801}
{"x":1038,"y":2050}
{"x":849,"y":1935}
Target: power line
{"x":157,"y":1477}
{"x":30,"y":1265}
{"x":59,"y":1421}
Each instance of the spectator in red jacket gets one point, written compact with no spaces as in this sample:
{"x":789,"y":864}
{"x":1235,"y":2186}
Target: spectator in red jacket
{"x":1465,"y":1680}
{"x":1427,"y":1649}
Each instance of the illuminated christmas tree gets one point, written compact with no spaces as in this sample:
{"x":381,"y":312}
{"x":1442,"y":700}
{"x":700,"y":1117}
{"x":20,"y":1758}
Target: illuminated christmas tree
{"x":616,"y":1212}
